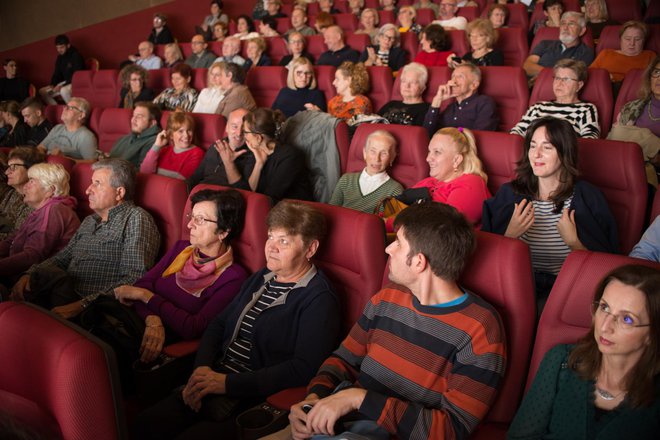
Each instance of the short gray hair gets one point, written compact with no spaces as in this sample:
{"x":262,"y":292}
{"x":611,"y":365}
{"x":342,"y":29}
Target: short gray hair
{"x":382,"y":134}
{"x":420,"y":70}
{"x":388,"y":27}
{"x":578,"y":15}
{"x":123,"y":175}
{"x":474,"y":70}
{"x":51,"y":175}
{"x":84,"y":106}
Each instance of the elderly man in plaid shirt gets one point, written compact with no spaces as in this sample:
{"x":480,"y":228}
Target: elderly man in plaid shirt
{"x":114,"y":246}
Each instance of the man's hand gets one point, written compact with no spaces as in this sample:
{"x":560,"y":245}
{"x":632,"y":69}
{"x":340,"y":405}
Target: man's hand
{"x":227,"y":155}
{"x":19,"y":289}
{"x":298,"y":418}
{"x":444,"y":92}
{"x":203,"y":381}
{"x":68,"y":311}
{"x":325,"y":413}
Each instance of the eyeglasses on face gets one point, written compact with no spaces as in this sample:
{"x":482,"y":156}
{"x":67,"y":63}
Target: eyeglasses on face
{"x":563,"y":79}
{"x":199,"y":220}
{"x":623,"y":321}
{"x":655,"y":73}
{"x":72,"y":107}
{"x":13,"y":166}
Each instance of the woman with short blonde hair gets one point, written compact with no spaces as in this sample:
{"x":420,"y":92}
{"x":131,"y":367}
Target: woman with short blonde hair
{"x":301,"y":93}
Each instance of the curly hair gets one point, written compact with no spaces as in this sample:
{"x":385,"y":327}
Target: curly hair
{"x":358,"y":75}
{"x":127,"y":71}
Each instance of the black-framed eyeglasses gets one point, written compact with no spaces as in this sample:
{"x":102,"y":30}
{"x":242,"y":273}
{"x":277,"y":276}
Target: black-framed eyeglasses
{"x":250,"y":132}
{"x":199,"y":220}
{"x":13,"y":166}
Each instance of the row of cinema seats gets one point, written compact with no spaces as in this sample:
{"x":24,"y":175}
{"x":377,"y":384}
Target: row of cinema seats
{"x":506,"y":85}
{"x":499,"y":271}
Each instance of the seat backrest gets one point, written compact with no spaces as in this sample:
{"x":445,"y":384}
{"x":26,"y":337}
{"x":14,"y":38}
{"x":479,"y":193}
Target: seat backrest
{"x":552,"y":33}
{"x":518,"y":16}
{"x":248,"y":247}
{"x":566,"y":316}
{"x":114,"y":123}
{"x":347,"y":21}
{"x":380,"y":86}
{"x":655,"y":207}
{"x":66,"y":162}
{"x":325,"y":75}
{"x":500,"y":272}
{"x":469,"y":12}
{"x":597,"y":90}
{"x":617,"y":169}
{"x":499,"y":153}
{"x":458,"y":40}
{"x":425,"y":16}
{"x":354,"y":266}
{"x":199,"y":77}
{"x":315,"y":45}
{"x":653,"y":40}
{"x":410,"y":43}
{"x":81,"y":178}
{"x":54,"y":113}
{"x":623,"y":11}
{"x":50,"y":367}
{"x":512,"y":42}
{"x":343,"y":141}
{"x":186,"y":49}
{"x":265,"y":82}
{"x":358,"y":42}
{"x":159,"y":79}
{"x":609,"y":38}
{"x":508,"y":88}
{"x":410,"y":165}
{"x":106,"y":93}
{"x":208,"y":128}
{"x":386,"y":17}
{"x":628,"y":92}
{"x":82,"y":84}
{"x":276,"y":49}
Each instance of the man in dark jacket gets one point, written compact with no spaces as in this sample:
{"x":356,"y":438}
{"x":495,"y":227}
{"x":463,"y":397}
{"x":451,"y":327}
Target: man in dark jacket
{"x":68,"y":61}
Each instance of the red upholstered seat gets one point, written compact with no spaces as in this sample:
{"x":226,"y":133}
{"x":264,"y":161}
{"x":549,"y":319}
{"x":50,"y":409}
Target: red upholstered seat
{"x":518,"y":16}
{"x":410,"y":43}
{"x":114,"y":123}
{"x":106,"y":93}
{"x":508,"y":88}
{"x":94,"y":119}
{"x":62,"y":160}
{"x":623,"y":11}
{"x":54,"y":113}
{"x":499,"y":153}
{"x":158,"y":80}
{"x":438,"y":75}
{"x":343,"y":142}
{"x":410,"y":165}
{"x":358,"y":42}
{"x":186,"y":49}
{"x":459,"y":44}
{"x":512,"y":42}
{"x":265,"y":83}
{"x":655,"y":208}
{"x":81,"y":178}
{"x":617,"y":169}
{"x":380,"y":81}
{"x":425,"y":16}
{"x":82,"y":84}
{"x":208,"y":128}
{"x":276,"y":49}
{"x":469,"y":12}
{"x":628,"y":92}
{"x":348,"y":22}
{"x":199,"y":77}
{"x":325,"y":75}
{"x":315,"y":45}
{"x":566,"y":316}
{"x":597,"y":90}
{"x":386,"y":17}
{"x":58,"y":378}
{"x":552,"y":33}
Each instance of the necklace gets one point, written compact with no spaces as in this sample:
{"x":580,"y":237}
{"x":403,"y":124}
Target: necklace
{"x":651,"y":114}
{"x":606,"y":395}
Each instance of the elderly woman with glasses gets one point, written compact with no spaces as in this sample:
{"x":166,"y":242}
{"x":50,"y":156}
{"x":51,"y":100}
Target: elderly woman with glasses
{"x":195,"y":280}
{"x":47,"y":229}
{"x":133,"y":81}
{"x":274,"y":335}
{"x":606,"y":385}
{"x":296,"y":44}
{"x":300,"y":93}
{"x":387,"y":51}
{"x":569,"y":78}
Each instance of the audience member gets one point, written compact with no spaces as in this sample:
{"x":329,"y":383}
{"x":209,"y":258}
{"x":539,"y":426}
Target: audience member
{"x":173,"y":153}
{"x":630,"y":55}
{"x":12,"y":86}
{"x":388,"y":5}
{"x":569,"y":78}
{"x":482,"y":37}
{"x":231,"y":48}
{"x":47,"y":229}
{"x":133,"y":81}
{"x":219,"y":31}
{"x":388,"y":51}
{"x":547,"y":207}
{"x":296,"y":45}
{"x":606,"y":384}
{"x":259,"y":9}
{"x":434,"y":44}
{"x":338,"y":51}
{"x":355,"y":7}
{"x":648,"y":247}
{"x":365,"y":190}
{"x":114,"y":246}
{"x":32,"y":110}
{"x":428,"y":321}
{"x":146,"y":59}
{"x":279,"y":170}
{"x":497,"y":15}
{"x":596,"y":16}
{"x":351,"y":83}
{"x":268,"y":27}
{"x":68,"y":61}
{"x":172,"y":55}
{"x":412,"y":109}
{"x":273,"y":9}
{"x":274,"y":334}
{"x":299,"y":24}
{"x":200,"y":58}
{"x":235,"y":93}
{"x":552,"y":10}
{"x":368,"y":23}
{"x":469,"y":108}
{"x":245,"y":28}
{"x":145,"y":126}
{"x":569,"y":45}
{"x":323,"y":21}
{"x":255,"y":53}
{"x":209,"y":98}
{"x":160,"y":33}
{"x":17,"y":130}
{"x":428,"y":4}
{"x":194,"y":282}
{"x":447,"y":17}
{"x":207,"y":27}
{"x":181,"y":96}
{"x":301,"y":92}
{"x":227,"y":160}
{"x":327,"y":7}
{"x":406,"y":19}
{"x":72,"y":138}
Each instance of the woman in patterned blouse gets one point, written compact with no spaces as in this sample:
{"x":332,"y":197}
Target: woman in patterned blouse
{"x":181,"y":96}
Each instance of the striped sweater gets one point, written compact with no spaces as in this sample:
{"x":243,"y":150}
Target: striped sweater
{"x":583,"y":116}
{"x":430,"y":372}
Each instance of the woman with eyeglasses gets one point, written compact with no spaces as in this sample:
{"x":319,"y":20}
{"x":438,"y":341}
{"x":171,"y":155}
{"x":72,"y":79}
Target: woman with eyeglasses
{"x":133,"y":80}
{"x":275,"y":334}
{"x":387,"y":51}
{"x":296,"y":44}
{"x":547,"y":207}
{"x":569,"y":76}
{"x":195,"y":280}
{"x":301,"y":93}
{"x":607,"y":385}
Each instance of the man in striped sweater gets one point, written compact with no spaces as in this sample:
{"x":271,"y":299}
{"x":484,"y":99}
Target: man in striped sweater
{"x":424,"y":363}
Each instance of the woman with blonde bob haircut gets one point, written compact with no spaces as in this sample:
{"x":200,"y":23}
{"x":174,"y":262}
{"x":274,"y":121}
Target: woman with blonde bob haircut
{"x":209,"y":98}
{"x":300,"y":93}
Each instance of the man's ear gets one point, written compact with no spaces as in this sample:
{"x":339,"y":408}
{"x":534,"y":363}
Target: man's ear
{"x":121,"y":193}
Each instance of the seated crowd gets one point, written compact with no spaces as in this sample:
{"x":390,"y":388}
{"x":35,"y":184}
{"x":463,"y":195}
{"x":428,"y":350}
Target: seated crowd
{"x":279,"y":327}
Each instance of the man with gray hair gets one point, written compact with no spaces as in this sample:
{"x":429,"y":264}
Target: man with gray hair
{"x":146,"y":57}
{"x":571,"y":28}
{"x":71,"y":138}
{"x":114,"y":246}
{"x":338,"y":51}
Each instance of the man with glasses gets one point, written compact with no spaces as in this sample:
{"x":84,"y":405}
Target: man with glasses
{"x":571,"y":28}
{"x":447,"y":17}
{"x":145,"y":127}
{"x":13,"y":87}
{"x":33,"y":114}
{"x":67,"y":63}
{"x":71,"y":138}
{"x":146,"y":57}
{"x":200,"y":57}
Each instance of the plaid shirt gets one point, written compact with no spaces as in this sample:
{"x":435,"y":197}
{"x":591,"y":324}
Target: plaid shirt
{"x":104,"y":255}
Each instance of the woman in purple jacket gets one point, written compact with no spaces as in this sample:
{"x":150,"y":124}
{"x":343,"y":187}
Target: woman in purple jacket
{"x":195,"y":280}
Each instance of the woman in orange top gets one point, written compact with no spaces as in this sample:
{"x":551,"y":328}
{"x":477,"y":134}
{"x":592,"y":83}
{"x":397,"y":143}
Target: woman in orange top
{"x":351,"y":81}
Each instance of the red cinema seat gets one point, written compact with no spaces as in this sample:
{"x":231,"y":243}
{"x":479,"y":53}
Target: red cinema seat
{"x":358,"y":42}
{"x":469,"y":12}
{"x":655,"y":208}
{"x":597,"y":90}
{"x":624,"y":11}
{"x":106,"y":93}
{"x":114,"y":123}
{"x":499,"y":153}
{"x":459,"y":44}
{"x":215,"y":47}
{"x":537,"y":14}
{"x":551,"y":33}
{"x":67,"y":163}
{"x":508,"y":88}
{"x":186,"y":49}
{"x":54,"y":113}
{"x":325,"y":75}
{"x":352,"y":266}
{"x":199,"y":79}
{"x":347,"y":21}
{"x":386,"y":17}
{"x":566,"y":316}
{"x":94,"y":119}
{"x":653,"y":40}
{"x":513,"y":44}
{"x":312,"y":9}
{"x":343,"y":142}
{"x":617,"y":169}
{"x":425,"y":16}
{"x":410,"y":43}
{"x":380,"y":82}
{"x":158,"y":80}
{"x":265,"y":82}
{"x":276,"y":49}
{"x":208,"y":128}
{"x":56,"y":378}
{"x":159,"y":50}
{"x":283,"y":23}
{"x":518,"y":16}
{"x":81,"y":178}
{"x":628,"y":92}
{"x":500,"y":272}
{"x":609,"y":38}
{"x":315,"y":45}
{"x":410,"y":165}
{"x":371,"y":4}
{"x":438,"y":75}
{"x":82,"y":84}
